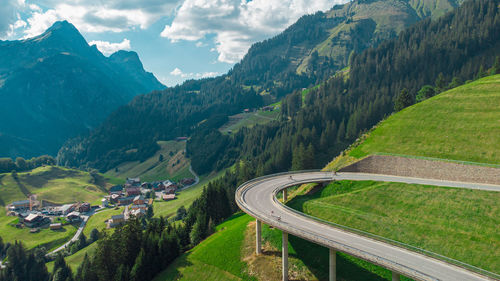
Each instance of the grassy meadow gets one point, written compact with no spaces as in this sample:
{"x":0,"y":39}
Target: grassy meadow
{"x":216,"y":258}
{"x":174,"y":165}
{"x":50,"y":183}
{"x":460,"y":124}
{"x":241,"y":120}
{"x":457,"y":223}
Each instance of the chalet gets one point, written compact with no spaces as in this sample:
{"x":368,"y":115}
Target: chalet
{"x":134,"y":182}
{"x":55,"y":226}
{"x":74,"y":216}
{"x":169,"y":187}
{"x":168,"y":197}
{"x":268,"y":108}
{"x":18,"y":205}
{"x":104,"y":202}
{"x":187,"y":181}
{"x":64,"y":209}
{"x":125,"y":200}
{"x":35,"y":220}
{"x":116,"y":220}
{"x":170,"y":190}
{"x":138,"y":213}
{"x":246,"y":110}
{"x":141,"y":206}
{"x":84,"y":207}
{"x":157,"y":186}
{"x":117,"y":189}
{"x":139,"y":200}
{"x":146,"y":185}
{"x":132,"y":191}
{"x":114,"y":198}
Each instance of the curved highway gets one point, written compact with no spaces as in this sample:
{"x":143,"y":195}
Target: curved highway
{"x":258,"y":199}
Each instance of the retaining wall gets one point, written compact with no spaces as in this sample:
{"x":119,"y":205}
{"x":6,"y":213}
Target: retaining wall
{"x":420,"y":168}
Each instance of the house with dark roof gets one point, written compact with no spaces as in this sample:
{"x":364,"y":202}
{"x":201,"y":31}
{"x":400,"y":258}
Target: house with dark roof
{"x":17,"y":205}
{"x":117,"y":189}
{"x":132,"y":191}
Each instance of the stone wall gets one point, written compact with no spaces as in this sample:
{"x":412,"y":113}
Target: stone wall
{"x":420,"y":168}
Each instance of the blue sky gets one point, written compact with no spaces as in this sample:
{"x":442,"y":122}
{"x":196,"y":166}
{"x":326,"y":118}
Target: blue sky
{"x":175,"y":39}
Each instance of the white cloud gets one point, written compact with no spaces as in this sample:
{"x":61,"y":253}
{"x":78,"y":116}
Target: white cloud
{"x":96,"y":15}
{"x":180,"y":73}
{"x":8,"y":15}
{"x":108,"y":48}
{"x":177,"y":72}
{"x":237,"y":24}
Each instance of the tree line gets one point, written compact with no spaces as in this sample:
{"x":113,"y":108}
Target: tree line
{"x":8,"y":165}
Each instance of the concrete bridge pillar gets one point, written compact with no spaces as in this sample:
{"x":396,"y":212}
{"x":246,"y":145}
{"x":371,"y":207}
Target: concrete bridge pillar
{"x":284,"y":252}
{"x":258,"y":237}
{"x":333,"y":265}
{"x":395,"y":276}
{"x":285,"y":195}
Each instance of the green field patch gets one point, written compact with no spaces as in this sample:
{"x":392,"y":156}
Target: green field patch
{"x":456,"y":223}
{"x":460,"y":124}
{"x":50,"y":239}
{"x":216,"y":258}
{"x":251,"y":119}
{"x":174,"y":164}
{"x":97,"y":220}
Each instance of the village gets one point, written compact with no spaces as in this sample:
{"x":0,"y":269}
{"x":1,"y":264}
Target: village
{"x":135,"y":196}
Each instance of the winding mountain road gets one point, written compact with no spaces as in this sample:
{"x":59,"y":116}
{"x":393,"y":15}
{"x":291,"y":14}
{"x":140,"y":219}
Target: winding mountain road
{"x":258,"y":199}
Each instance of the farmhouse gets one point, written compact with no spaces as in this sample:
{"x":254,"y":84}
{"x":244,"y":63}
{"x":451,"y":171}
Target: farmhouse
{"x":133,"y":182}
{"x":35,"y":220}
{"x":125,"y":200}
{"x":74,"y":216}
{"x":64,"y":209}
{"x":117,"y":189}
{"x":104,"y":202}
{"x":56,"y":226}
{"x":168,"y":197}
{"x":139,"y":200}
{"x":132,"y":191}
{"x":116,"y":220}
{"x":18,"y":205}
{"x":84,"y":207}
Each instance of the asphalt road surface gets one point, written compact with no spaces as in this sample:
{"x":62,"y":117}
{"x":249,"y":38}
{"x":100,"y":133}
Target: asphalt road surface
{"x":257,"y":198}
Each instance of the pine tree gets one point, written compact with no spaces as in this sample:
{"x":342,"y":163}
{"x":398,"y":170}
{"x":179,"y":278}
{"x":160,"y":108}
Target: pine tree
{"x":403,"y":100}
{"x":440,"y":83}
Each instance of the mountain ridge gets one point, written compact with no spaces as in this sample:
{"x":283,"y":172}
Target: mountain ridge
{"x":55,"y":86}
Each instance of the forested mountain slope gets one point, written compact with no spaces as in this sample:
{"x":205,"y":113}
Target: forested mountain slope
{"x":332,"y":116}
{"x":310,"y":50}
{"x":55,"y":86}
{"x":318,"y":45}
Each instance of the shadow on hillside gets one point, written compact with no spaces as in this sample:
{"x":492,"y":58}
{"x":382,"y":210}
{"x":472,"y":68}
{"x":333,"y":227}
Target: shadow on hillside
{"x":315,"y":257}
{"x":40,"y":179}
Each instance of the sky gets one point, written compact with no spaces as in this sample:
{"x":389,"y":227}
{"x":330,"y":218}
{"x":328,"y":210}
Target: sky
{"x":175,"y":39}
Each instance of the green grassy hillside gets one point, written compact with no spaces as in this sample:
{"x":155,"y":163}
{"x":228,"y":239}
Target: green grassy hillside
{"x":457,"y":223}
{"x":216,"y":258}
{"x":251,"y":119}
{"x":459,"y":124}
{"x":174,"y":165}
{"x":51,"y":183}
{"x":55,"y":184}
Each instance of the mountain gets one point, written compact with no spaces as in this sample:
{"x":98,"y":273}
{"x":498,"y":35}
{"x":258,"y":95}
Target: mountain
{"x":316,"y":46}
{"x":309,"y":51}
{"x":55,"y":86}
